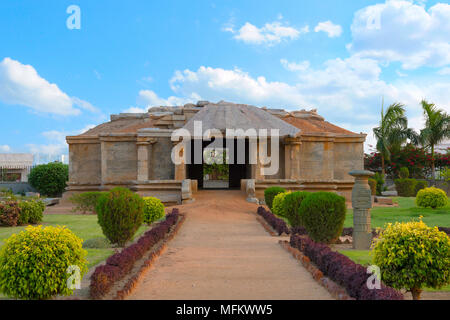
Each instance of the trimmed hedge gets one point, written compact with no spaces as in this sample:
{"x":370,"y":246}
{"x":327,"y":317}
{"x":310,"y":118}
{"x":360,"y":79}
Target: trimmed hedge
{"x":323,"y":215}
{"x":153,"y":210}
{"x":339,"y":268}
{"x":120,"y":214}
{"x":292,"y":203}
{"x":405,"y":187}
{"x":86,"y":201}
{"x":278,"y":224}
{"x":420,"y":185}
{"x":270,"y":193}
{"x":34,"y":263}
{"x":120,"y":264}
{"x":49,"y":179}
{"x":431,"y":198}
{"x":278,"y":206}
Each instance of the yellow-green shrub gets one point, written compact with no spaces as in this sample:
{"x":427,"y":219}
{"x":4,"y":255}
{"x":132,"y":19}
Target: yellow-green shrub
{"x":34,"y":263}
{"x":270,"y":193}
{"x":431,"y":198}
{"x":153,"y":209}
{"x":31,"y":211}
{"x":278,"y":207}
{"x":86,"y":201}
{"x":373,"y":186}
{"x":412,"y":256}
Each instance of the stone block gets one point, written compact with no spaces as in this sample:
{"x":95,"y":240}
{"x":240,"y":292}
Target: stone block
{"x":384,"y":200}
{"x":389,"y":193}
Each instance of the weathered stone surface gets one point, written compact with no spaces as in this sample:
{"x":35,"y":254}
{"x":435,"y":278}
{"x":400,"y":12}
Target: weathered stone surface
{"x":384,"y":200}
{"x":389,"y":193}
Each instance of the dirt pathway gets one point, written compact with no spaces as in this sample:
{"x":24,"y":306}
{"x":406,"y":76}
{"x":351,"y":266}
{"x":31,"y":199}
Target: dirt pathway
{"x":222,"y":252}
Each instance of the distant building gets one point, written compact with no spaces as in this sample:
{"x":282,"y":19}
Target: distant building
{"x":134,"y":150}
{"x":15,"y":167}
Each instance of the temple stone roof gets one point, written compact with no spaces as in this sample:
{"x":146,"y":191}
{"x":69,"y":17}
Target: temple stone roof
{"x":220,"y":116}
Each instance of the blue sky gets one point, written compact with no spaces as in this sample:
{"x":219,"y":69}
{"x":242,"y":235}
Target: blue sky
{"x":340,"y":57}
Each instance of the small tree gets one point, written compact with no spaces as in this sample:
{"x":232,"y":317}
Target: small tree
{"x":120,"y":214}
{"x":412,"y":256}
{"x":49,"y":179}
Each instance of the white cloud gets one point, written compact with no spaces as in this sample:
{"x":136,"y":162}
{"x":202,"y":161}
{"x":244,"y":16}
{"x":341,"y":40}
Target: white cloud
{"x":294,"y":66}
{"x":5,"y":148}
{"x":444,"y":71}
{"x":21,"y":85}
{"x":135,"y":110}
{"x":270,"y":34}
{"x":403,"y":31}
{"x":347,"y":92}
{"x":333,"y":30}
{"x":150,"y":98}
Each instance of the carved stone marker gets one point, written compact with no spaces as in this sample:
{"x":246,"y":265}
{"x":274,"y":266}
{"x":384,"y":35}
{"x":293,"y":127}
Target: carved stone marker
{"x":250,"y":189}
{"x":361,"y":202}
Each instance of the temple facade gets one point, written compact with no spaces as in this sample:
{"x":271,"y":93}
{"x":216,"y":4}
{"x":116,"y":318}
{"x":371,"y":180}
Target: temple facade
{"x":137,"y":151}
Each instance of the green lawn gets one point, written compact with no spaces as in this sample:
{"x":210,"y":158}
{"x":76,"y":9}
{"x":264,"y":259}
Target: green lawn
{"x":406,"y":211}
{"x":84,"y":226}
{"x":363,"y":257}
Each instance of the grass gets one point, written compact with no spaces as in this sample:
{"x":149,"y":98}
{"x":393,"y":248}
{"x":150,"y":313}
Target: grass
{"x":84,"y":226}
{"x":363,"y":257}
{"x":406,"y":211}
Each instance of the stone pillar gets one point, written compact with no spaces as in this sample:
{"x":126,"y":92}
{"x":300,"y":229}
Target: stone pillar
{"x":361,"y":202}
{"x":180,"y":169}
{"x":292,"y":158}
{"x":144,"y":155}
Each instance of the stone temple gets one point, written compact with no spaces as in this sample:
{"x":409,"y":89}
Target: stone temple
{"x":135,"y":151}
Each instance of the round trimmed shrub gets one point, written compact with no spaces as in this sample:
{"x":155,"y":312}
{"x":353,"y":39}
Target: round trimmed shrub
{"x":420,"y":185}
{"x":278,"y":207}
{"x":292,"y":203}
{"x":153,"y":210}
{"x":403,"y":173}
{"x":431,"y":198}
{"x":31,"y":211}
{"x":270,"y":193}
{"x":34,"y":263}
{"x":49,"y":179}
{"x":412,"y":256}
{"x":323,"y":215}
{"x":9,"y":213}
{"x":120,"y":213}
{"x":405,"y":187}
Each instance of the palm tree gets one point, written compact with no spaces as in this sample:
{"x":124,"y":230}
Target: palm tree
{"x":392,"y":132}
{"x":437,"y":129}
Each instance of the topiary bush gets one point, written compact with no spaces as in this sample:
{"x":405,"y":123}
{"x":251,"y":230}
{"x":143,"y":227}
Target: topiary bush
{"x":120,"y":214}
{"x":412,"y":256}
{"x":278,"y":207}
{"x":373,"y":186}
{"x":421,"y":184}
{"x":153,"y":210}
{"x":49,"y":179}
{"x":431,"y":198}
{"x":270,"y":193}
{"x":9,"y":213}
{"x":403,"y":173}
{"x":34,"y":263}
{"x":31,"y":211}
{"x":86,"y":201}
{"x":405,"y":187}
{"x":292,"y":203}
{"x":323,"y":215}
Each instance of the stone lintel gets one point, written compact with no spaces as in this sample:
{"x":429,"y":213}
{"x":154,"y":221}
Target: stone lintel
{"x":82,"y":139}
{"x":118,"y":137}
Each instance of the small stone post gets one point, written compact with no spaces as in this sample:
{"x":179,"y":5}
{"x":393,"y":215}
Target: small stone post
{"x":361,"y":202}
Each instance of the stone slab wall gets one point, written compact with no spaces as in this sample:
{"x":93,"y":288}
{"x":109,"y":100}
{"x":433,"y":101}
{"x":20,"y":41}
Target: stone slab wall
{"x":161,"y":166}
{"x":348,"y":156}
{"x":119,"y":161}
{"x":85,"y":163}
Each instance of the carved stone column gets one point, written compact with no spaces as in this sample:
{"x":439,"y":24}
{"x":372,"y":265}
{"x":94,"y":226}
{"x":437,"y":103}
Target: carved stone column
{"x":361,"y":202}
{"x":180,"y":169}
{"x":292,"y":158}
